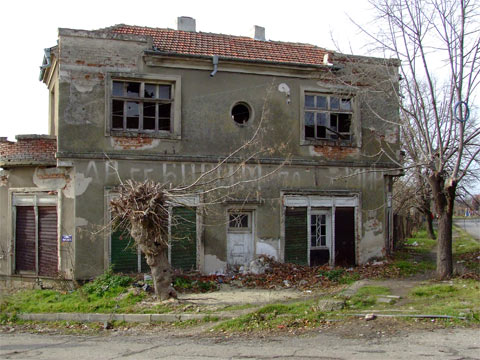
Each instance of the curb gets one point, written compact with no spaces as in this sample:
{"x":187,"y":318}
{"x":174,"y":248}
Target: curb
{"x":129,"y":318}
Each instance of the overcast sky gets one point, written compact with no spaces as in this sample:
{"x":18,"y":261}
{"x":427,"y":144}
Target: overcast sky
{"x":27,"y":27}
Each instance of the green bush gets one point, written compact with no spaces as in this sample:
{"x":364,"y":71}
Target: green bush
{"x":106,"y":283}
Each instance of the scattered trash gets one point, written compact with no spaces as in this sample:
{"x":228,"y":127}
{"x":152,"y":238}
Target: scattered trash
{"x":107,"y":325}
{"x":414,"y":243}
{"x":147,"y":277}
{"x":369,"y":317}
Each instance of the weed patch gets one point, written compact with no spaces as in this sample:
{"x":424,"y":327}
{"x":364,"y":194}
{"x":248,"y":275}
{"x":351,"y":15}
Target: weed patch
{"x":456,"y":298}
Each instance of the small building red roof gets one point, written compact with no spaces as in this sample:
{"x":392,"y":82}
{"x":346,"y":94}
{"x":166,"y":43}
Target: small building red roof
{"x":228,"y":46}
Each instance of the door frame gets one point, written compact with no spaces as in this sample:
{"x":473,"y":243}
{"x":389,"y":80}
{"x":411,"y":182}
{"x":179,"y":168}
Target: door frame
{"x":250,"y":230}
{"x":35,"y":199}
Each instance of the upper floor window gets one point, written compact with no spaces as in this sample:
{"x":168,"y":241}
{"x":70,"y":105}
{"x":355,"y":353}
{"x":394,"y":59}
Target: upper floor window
{"x":144,"y":107}
{"x":328,"y":117}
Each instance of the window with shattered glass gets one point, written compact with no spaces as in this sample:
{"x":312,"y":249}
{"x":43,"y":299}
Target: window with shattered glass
{"x":141,"y":106}
{"x":328,"y":117}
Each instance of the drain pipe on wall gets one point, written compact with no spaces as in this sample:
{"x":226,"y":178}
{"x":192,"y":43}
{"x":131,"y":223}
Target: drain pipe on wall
{"x":215,"y":65}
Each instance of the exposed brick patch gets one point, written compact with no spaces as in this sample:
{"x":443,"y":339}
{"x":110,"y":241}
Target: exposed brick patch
{"x":336,"y":152}
{"x":131,"y":143}
{"x":28,"y":149}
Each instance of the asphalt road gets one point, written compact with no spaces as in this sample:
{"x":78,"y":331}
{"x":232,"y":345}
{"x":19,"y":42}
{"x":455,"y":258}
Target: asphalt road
{"x":416,"y":344}
{"x":472,"y":226}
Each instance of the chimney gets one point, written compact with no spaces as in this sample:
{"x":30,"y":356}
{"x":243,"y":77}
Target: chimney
{"x":186,"y":23}
{"x":258,"y":33}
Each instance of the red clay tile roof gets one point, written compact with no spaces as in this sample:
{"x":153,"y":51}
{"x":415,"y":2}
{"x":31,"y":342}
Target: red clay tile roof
{"x":228,"y":46}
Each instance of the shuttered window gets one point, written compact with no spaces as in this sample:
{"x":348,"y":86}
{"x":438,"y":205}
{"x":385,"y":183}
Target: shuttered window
{"x":184,"y":235}
{"x":124,"y":257}
{"x":25,"y":239}
{"x":296,"y":235}
{"x":47,"y":241}
{"x":26,"y":231}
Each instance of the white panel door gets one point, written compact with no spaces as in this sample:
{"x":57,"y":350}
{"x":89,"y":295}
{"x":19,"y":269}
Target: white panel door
{"x":239,"y":238}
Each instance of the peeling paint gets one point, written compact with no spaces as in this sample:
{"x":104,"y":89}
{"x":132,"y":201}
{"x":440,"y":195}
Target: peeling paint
{"x":214,"y":266}
{"x":133,"y":143}
{"x":391,"y":136}
{"x":77,"y":186}
{"x":50,"y":177}
{"x":4,"y":177}
{"x":268,"y":247}
{"x":81,"y":102}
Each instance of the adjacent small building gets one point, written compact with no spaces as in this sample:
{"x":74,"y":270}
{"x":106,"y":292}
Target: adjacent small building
{"x":131,"y":102}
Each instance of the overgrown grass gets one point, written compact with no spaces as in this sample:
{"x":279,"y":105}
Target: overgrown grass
{"x":298,"y":314}
{"x":456,"y":298}
{"x":421,"y":243}
{"x":107,"y":293}
{"x":367,"y":297}
{"x":464,"y":243}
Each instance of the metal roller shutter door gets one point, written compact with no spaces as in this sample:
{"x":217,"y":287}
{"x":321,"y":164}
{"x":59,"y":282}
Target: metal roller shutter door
{"x":25,"y":239}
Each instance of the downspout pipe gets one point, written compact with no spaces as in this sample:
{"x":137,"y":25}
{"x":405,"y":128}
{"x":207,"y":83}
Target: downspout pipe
{"x":215,"y":65}
{"x":46,"y":63}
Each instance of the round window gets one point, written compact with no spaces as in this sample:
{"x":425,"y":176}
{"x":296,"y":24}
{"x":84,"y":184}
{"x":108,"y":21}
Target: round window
{"x":241,"y":113}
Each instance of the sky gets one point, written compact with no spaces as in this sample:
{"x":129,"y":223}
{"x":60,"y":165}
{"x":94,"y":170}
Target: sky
{"x":27,"y":27}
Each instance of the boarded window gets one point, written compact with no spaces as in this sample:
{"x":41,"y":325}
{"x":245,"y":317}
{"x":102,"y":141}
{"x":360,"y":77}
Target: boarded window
{"x":345,"y":236}
{"x":184,"y":238}
{"x":296,"y":235}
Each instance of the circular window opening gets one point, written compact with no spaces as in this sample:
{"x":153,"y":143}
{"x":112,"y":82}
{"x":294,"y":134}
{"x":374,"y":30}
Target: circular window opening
{"x":241,"y":113}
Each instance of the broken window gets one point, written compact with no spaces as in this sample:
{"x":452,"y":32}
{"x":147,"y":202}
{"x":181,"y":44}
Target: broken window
{"x":141,"y":107}
{"x":241,"y":113}
{"x":327,"y":117}
{"x":239,"y":220}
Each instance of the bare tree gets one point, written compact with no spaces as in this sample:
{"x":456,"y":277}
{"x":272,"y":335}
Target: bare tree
{"x":438,"y":43}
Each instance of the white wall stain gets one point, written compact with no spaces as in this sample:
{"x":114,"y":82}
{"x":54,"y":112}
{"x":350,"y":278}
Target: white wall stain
{"x":213,"y":265}
{"x":80,"y":221}
{"x":268,"y":247}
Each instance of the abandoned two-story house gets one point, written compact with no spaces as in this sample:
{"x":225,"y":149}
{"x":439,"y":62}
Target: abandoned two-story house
{"x":130,"y":102}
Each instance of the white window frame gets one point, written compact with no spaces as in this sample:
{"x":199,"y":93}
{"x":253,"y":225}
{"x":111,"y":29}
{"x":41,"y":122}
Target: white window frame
{"x":337,"y":91}
{"x":175,"y":112}
{"x":328,"y":226}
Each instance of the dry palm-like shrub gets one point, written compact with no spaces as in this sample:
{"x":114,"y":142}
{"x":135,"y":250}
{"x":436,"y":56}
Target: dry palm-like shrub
{"x":142,"y":208}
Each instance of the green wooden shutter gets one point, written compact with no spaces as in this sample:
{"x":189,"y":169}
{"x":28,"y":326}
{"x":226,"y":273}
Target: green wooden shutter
{"x":184,"y":238}
{"x":124,"y":253}
{"x":296,"y":234}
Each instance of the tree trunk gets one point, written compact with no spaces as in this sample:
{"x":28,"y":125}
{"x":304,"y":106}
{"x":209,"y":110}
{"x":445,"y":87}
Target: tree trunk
{"x":430,"y":231}
{"x":444,"y":197}
{"x":161,"y":274}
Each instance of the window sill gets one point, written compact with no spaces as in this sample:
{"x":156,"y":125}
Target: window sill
{"x":340,"y":143}
{"x":133,"y":134}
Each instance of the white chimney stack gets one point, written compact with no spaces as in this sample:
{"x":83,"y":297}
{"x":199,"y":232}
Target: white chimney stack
{"x":258,"y":33}
{"x":186,"y":23}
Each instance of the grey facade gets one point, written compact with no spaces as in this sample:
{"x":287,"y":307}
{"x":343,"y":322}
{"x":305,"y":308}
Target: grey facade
{"x":121,"y":108}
